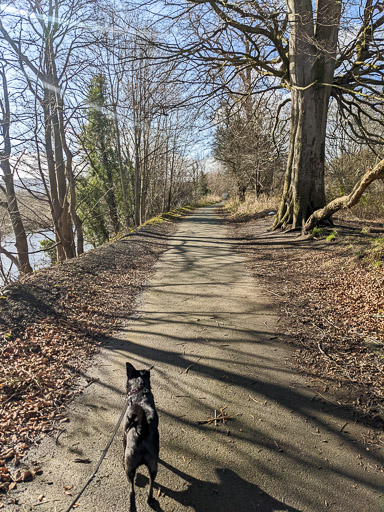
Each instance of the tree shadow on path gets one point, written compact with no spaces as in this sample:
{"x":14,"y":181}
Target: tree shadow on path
{"x":231,"y":493}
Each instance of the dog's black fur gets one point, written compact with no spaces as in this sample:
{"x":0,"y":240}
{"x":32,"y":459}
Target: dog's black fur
{"x":141,"y":434}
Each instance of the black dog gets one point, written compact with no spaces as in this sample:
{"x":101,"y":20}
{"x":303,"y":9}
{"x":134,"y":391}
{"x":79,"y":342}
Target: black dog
{"x":141,"y":435}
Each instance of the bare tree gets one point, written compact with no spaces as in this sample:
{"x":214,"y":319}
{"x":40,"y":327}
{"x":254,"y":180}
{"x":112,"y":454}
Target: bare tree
{"x":43,"y":47}
{"x":315,"y":52}
{"x":21,"y":243}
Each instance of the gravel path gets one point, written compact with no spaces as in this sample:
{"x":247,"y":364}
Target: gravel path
{"x":213,"y":336}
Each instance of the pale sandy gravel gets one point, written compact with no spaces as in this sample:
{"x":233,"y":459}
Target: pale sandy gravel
{"x":282,"y":449}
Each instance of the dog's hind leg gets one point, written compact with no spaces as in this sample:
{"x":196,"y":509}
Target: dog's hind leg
{"x":152,"y":468}
{"x":132,"y":496}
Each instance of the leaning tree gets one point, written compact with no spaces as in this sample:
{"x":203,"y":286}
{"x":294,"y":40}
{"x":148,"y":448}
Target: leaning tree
{"x":311,"y":51}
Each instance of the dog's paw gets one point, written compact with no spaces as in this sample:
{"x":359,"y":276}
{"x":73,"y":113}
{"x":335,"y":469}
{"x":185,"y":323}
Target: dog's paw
{"x":154,"y":504}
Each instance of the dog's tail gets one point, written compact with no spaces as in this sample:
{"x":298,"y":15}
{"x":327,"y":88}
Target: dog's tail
{"x":136,"y":419}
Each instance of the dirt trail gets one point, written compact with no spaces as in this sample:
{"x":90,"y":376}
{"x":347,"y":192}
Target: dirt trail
{"x":212,"y":333}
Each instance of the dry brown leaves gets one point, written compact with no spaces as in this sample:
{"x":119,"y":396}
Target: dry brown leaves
{"x":42,"y":355}
{"x":334,"y":305}
{"x":345,"y":301}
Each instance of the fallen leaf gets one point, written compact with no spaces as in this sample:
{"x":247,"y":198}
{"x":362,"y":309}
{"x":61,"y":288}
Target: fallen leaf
{"x":37,"y":471}
{"x":8,"y":454}
{"x":22,"y":475}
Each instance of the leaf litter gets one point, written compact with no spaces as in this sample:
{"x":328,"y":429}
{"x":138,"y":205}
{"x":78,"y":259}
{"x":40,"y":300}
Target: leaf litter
{"x":51,"y":323}
{"x":331,"y":304}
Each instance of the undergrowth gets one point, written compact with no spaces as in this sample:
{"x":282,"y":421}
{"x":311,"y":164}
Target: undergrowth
{"x":375,"y":254}
{"x":251,"y":206}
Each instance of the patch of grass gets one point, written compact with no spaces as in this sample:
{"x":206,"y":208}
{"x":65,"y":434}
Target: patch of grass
{"x":359,"y":254}
{"x":177,"y":213}
{"x":372,"y":253}
{"x":331,"y":237}
{"x":251,"y":206}
{"x":319,"y":232}
{"x":375,"y":255}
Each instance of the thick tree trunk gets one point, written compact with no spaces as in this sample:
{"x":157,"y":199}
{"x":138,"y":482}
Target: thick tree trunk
{"x":304,"y":180}
{"x":312,"y":56}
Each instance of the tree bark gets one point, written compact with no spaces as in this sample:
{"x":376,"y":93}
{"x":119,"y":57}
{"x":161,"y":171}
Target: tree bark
{"x":303,"y":191}
{"x":346,"y":201}
{"x":77,"y":222}
{"x":21,"y":242}
{"x":312,"y":59}
{"x":137,"y":179}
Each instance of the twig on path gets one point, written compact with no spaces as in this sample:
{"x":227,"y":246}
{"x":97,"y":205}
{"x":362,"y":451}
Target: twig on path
{"x":277,"y":294}
{"x":223,"y":417}
{"x":59,"y":434}
{"x":321,"y":350}
{"x":10,"y":398}
{"x":190,"y":366}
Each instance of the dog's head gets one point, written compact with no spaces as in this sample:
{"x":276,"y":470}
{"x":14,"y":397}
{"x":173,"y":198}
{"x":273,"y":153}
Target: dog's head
{"x":137,"y":379}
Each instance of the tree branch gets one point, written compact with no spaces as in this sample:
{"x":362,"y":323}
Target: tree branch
{"x":347,"y":201}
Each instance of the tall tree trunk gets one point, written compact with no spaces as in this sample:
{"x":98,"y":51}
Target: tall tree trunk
{"x":110,"y":193}
{"x":53,"y":196}
{"x":21,"y":242}
{"x":304,"y":180}
{"x":312,"y":51}
{"x":122,"y":169}
{"x":77,"y":222}
{"x":137,"y":177}
{"x":67,"y":239}
{"x":11,"y":204}
{"x":171,"y":176}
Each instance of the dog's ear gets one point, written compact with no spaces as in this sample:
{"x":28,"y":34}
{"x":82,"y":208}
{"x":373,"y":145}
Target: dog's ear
{"x":130,"y":370}
{"x":146,"y":374}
